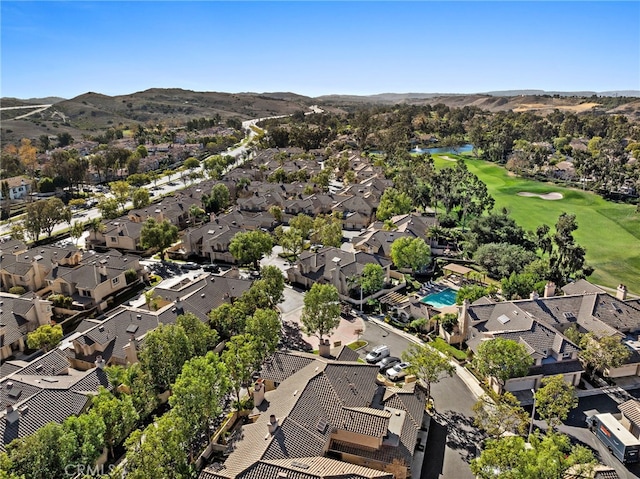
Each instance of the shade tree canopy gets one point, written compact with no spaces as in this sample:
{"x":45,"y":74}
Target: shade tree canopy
{"x":321,"y":311}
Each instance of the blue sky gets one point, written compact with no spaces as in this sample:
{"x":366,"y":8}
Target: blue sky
{"x":317,"y":48}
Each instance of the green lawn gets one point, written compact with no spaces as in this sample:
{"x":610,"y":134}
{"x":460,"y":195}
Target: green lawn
{"x":609,"y":231}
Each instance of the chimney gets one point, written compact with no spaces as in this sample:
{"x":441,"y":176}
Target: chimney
{"x":534,"y":295}
{"x":99,"y":362}
{"x":131,"y":350}
{"x":258,"y":392}
{"x":273,"y":424}
{"x":621,"y":292}
{"x":549,"y":289}
{"x":12,"y":414}
{"x":324,"y":348}
{"x":463,"y":319}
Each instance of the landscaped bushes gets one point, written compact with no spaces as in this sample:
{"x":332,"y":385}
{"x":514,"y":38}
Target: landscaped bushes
{"x":17,"y":290}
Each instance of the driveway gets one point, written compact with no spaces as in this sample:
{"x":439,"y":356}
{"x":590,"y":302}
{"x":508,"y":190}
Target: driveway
{"x":453,"y":439}
{"x":295,"y":338}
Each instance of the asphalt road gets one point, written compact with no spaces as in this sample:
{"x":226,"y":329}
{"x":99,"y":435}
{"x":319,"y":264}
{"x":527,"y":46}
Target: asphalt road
{"x":453,"y":440}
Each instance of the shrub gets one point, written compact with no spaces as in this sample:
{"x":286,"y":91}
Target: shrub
{"x":60,"y":300}
{"x":130,"y":275}
{"x":17,"y":290}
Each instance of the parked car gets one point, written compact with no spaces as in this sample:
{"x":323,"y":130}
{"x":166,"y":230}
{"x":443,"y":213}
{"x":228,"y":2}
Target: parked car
{"x":211,"y":268}
{"x":398,"y":371}
{"x":190,"y":266}
{"x":388,"y":362}
{"x":377,"y":354}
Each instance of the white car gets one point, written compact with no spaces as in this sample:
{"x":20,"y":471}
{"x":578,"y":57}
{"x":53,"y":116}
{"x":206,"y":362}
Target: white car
{"x":398,"y":371}
{"x":378,"y":354}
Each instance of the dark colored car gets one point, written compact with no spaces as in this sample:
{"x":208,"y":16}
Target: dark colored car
{"x":211,"y":268}
{"x":388,"y":362}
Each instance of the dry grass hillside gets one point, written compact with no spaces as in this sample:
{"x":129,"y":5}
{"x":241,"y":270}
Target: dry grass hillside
{"x":93,"y":112}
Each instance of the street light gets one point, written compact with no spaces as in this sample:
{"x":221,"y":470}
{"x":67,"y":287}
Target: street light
{"x":533,"y":413}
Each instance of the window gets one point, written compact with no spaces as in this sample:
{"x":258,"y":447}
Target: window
{"x":115,"y":280}
{"x":85,"y":293}
{"x":113,"y":239}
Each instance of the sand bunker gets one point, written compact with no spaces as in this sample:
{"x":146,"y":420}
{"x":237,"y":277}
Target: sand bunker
{"x":548,"y":196}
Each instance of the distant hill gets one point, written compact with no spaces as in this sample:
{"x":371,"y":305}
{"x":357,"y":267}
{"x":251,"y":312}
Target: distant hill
{"x":630,"y":93}
{"x":93,"y":112}
{"x":11,"y":102}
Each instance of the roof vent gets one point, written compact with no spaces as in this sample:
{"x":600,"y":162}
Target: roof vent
{"x":39,"y":367}
{"x":100,"y":328}
{"x":300,"y":465}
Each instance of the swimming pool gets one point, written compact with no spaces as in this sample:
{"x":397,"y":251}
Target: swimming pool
{"x":446,"y":297}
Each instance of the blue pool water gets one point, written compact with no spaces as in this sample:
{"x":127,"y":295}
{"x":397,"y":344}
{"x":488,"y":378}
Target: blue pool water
{"x":446,"y":297}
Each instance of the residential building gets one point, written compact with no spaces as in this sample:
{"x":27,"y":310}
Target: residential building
{"x":44,"y":390}
{"x":540,"y":322}
{"x":19,"y":187}
{"x":18,"y":317}
{"x":325,"y":409}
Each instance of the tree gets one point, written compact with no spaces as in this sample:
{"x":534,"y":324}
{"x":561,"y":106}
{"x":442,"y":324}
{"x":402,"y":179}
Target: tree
{"x":158,"y":235}
{"x":242,"y":358}
{"x":303,"y":224}
{"x":96,"y":225}
{"x":547,"y":457}
{"x":393,"y":203}
{"x":45,"y":337}
{"x":266,"y":328}
{"x":472,"y":293}
{"x":276,"y":212}
{"x":44,"y":215}
{"x":191,"y":163}
{"x":497,"y":414}
{"x":292,"y":242}
{"x":228,"y":320}
{"x":64,"y":139}
{"x":372,"y":278}
{"x":413,"y":253}
{"x":321,"y":312}
{"x":567,"y":260}
{"x":119,"y":416}
{"x":108,"y":208}
{"x":164,"y":351}
{"x":121,"y":191}
{"x":27,"y":153}
{"x":198,"y":392}
{"x":141,"y":198}
{"x":44,"y":454}
{"x":427,"y":364}
{"x":603,"y":353}
{"x":158,"y":451}
{"x":271,"y":283}
{"x":200,"y":335}
{"x":502,"y":359}
{"x":76,"y":232}
{"x":502,"y":259}
{"x":250,"y":247}
{"x":218,"y":200}
{"x":555,"y":399}
{"x":327,"y":230}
